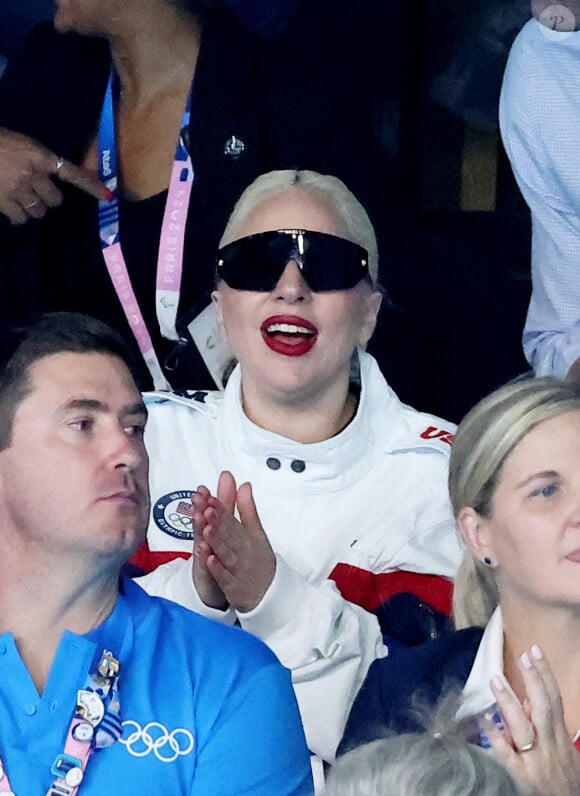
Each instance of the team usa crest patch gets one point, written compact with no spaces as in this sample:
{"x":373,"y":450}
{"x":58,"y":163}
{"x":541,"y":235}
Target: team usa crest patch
{"x":173,"y":514}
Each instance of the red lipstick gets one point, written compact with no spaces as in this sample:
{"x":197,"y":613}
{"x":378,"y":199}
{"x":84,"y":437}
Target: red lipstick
{"x":289,"y":335}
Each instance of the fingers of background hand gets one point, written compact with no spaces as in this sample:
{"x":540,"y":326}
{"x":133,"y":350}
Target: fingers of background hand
{"x":47,"y":192}
{"x":14,"y":212}
{"x":81,"y":178}
{"x":30,"y":201}
{"x":35,"y":209}
{"x":520,"y":727}
{"x":226,"y":491}
{"x":22,"y":159}
{"x":28,"y":153}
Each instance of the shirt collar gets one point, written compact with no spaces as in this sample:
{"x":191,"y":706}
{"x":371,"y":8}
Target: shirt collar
{"x":116,"y":632}
{"x":477,"y":695}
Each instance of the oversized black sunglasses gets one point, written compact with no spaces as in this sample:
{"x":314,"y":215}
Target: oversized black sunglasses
{"x":326,"y":262}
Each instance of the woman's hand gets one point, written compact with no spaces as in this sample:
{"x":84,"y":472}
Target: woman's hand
{"x":237,"y":554}
{"x":205,"y":584}
{"x":27,"y":178}
{"x":536,"y":749}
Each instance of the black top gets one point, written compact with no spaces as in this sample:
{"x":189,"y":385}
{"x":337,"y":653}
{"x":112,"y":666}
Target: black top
{"x":290,"y":108}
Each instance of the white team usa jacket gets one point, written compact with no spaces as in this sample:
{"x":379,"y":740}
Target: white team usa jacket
{"x":373,"y":497}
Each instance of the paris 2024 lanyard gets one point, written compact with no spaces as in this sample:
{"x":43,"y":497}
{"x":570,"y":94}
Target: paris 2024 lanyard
{"x":95,"y":724}
{"x":171,"y":244}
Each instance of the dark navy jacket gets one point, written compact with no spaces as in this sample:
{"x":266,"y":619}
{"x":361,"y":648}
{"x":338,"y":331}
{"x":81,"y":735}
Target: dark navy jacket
{"x":384,"y":702}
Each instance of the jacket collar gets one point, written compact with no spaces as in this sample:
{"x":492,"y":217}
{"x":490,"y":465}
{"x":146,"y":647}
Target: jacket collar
{"x":332,"y":463}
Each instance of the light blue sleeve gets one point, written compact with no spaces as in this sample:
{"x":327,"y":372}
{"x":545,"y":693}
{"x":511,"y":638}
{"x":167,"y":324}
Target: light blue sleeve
{"x":256,"y":746}
{"x":540,"y":126}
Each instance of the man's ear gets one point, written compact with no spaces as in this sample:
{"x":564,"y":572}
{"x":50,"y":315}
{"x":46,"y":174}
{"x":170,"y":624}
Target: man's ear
{"x":371,"y":309}
{"x":475,"y":531}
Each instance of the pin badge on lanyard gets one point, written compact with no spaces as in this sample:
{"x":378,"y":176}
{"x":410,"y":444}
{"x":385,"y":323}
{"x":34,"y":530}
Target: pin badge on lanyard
{"x":98,"y":705}
{"x":171,"y":245}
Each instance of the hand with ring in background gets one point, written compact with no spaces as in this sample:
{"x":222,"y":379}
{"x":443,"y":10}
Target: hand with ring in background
{"x":29,"y":177}
{"x":536,"y":747}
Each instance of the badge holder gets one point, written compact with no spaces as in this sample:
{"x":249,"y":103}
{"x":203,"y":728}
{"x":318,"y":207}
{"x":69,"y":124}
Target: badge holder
{"x":200,"y":328}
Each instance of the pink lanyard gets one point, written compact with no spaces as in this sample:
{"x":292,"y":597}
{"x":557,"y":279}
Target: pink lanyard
{"x":97,"y":700}
{"x":171,"y":245}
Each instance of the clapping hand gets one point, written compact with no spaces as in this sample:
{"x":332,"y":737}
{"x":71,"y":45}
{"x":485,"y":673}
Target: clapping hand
{"x":536,"y":748}
{"x":234,"y":563}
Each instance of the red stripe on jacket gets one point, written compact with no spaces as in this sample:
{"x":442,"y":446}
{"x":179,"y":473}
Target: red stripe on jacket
{"x":370,"y":591}
{"x":356,"y":585}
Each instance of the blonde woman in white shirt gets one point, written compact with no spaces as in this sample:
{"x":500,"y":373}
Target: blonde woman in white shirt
{"x":515,"y":489}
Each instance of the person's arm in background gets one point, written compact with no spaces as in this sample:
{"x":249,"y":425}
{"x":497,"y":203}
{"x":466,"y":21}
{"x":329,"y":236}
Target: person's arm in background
{"x":540,"y":124}
{"x":30,"y":175}
{"x":49,"y":97}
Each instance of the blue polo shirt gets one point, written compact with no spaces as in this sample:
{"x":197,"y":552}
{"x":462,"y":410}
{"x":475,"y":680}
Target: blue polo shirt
{"x":206,"y":709}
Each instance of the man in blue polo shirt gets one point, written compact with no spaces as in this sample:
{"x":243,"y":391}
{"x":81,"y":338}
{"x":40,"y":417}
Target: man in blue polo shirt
{"x":102,"y":688}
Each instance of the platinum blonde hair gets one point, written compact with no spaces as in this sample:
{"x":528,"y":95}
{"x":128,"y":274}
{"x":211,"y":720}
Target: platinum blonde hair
{"x":345,"y":205}
{"x":487,"y":435}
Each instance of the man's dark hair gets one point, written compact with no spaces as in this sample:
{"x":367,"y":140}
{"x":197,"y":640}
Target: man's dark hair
{"x":51,"y":333}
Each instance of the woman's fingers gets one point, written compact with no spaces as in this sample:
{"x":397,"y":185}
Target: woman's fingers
{"x":540,"y":754}
{"x":521,"y":729}
{"x":82,"y":179}
{"x":30,"y":175}
{"x":48,"y":193}
{"x":227,"y":491}
{"x":544,"y":697}
{"x":499,"y":741}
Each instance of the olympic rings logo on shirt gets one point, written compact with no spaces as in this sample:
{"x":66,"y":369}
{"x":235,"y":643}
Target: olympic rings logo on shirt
{"x":154,"y":737}
{"x":181,"y":519}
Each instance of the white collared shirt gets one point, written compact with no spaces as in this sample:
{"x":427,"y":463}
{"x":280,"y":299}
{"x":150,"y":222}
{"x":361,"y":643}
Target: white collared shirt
{"x":477,"y":696}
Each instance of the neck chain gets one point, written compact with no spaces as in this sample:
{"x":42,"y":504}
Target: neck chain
{"x":103,"y":613}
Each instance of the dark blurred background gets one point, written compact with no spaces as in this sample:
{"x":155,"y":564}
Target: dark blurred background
{"x":454,"y":232}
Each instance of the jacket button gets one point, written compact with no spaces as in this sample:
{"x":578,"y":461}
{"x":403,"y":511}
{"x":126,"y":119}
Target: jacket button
{"x":273,"y":463}
{"x":298,"y":466}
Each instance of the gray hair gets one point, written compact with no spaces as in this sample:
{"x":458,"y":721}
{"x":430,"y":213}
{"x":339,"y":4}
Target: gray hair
{"x":419,"y":764}
{"x":346,"y":206}
{"x":485,"y":438}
